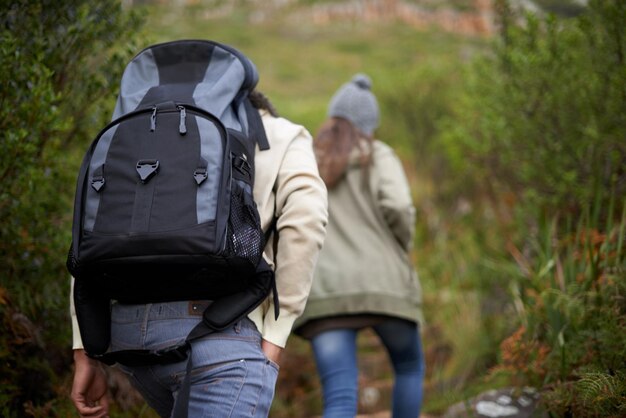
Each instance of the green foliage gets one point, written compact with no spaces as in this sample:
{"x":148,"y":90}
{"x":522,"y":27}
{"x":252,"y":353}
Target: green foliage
{"x":572,"y":342}
{"x":59,"y":72}
{"x":544,"y":117}
{"x":412,"y":106}
{"x":604,"y":391}
{"x":537,"y":132}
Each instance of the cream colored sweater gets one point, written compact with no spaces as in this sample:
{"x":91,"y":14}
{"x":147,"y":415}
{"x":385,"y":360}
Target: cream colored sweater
{"x":288,"y":186}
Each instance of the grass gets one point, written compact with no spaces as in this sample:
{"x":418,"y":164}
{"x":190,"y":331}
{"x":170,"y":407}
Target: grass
{"x":301,"y":64}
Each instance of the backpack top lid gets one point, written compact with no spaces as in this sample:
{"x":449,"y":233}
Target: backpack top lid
{"x":203,"y":73}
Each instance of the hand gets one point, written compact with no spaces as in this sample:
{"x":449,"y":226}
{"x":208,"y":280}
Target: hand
{"x":89,"y":390}
{"x":272,"y":351}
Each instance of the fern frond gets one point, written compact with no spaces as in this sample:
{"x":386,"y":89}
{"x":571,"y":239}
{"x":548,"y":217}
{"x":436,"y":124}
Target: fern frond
{"x":603,"y":391}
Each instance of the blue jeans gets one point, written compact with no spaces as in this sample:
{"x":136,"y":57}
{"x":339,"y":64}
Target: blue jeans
{"x":231,"y":376}
{"x":335,"y":355}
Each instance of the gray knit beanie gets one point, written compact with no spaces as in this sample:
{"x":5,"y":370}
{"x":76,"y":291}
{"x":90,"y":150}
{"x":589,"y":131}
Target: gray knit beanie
{"x":355,"y":102}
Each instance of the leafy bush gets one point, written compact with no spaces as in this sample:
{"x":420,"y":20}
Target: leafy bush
{"x":537,"y":134}
{"x":543,"y":118}
{"x":59,"y":68}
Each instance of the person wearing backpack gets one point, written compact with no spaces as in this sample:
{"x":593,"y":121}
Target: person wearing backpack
{"x":364,"y":276}
{"x":232,"y":371}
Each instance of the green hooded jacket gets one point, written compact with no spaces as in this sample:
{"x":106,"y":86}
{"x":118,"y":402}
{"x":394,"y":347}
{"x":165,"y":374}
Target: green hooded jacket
{"x":364,"y":266}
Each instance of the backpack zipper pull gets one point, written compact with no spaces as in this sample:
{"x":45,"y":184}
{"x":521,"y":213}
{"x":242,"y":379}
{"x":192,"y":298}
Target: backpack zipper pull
{"x":153,"y":119}
{"x":182,"y":127}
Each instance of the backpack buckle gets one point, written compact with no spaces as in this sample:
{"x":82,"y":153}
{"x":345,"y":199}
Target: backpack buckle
{"x":200,"y":175}
{"x":240,"y":162}
{"x":97,"y":183}
{"x":97,"y":179}
{"x":147,"y":169}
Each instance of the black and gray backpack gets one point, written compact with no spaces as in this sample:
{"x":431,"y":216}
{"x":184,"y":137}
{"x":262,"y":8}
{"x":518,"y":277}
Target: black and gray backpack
{"x":164,"y":209}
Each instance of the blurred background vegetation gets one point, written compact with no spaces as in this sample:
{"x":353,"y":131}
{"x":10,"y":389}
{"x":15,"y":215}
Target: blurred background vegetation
{"x":510,"y":117}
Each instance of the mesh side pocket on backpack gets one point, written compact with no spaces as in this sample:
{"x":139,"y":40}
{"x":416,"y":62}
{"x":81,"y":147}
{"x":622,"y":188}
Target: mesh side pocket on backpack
{"x":244,"y":226}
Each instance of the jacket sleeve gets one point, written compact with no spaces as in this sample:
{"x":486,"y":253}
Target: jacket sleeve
{"x":301,"y":207}
{"x":77,"y":342}
{"x":393,"y":194}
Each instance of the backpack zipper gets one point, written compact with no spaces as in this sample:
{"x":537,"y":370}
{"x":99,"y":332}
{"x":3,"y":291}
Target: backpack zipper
{"x":153,"y":119}
{"x":182,"y":126}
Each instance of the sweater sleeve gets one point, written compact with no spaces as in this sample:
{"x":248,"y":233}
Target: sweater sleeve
{"x":301,"y":207}
{"x":393,"y":194}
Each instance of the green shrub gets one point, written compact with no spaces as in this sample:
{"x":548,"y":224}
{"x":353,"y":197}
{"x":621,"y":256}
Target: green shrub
{"x":543,"y":118}
{"x":537,"y":133}
{"x":59,"y":66}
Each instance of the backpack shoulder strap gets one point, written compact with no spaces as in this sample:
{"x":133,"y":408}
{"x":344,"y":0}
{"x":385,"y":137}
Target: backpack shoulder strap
{"x":255,"y":126}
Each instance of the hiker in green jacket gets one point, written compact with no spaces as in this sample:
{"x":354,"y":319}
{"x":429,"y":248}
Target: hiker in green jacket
{"x":364,"y":276}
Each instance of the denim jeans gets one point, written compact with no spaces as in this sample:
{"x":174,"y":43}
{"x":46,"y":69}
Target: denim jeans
{"x":231,"y":376}
{"x":336,"y":358}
